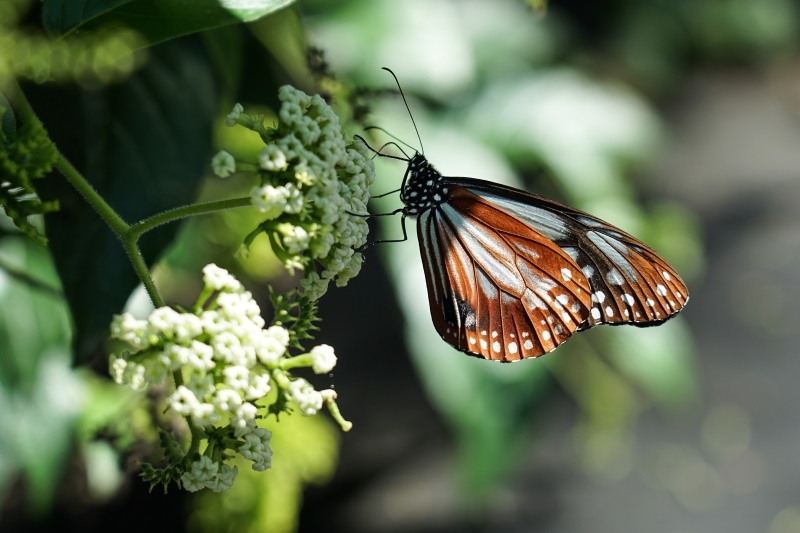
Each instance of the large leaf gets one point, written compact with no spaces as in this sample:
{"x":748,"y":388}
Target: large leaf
{"x":148,"y":143}
{"x":155,"y":20}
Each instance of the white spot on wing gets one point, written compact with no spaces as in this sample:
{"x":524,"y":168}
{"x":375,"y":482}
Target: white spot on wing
{"x":484,"y":344}
{"x":472,"y":340}
{"x":496,"y":346}
{"x":598,"y":297}
{"x":563,"y":299}
{"x":528,"y":344}
{"x":660,"y":289}
{"x":627,"y":298}
{"x":666,"y":276}
{"x":650,"y":302}
{"x":546,"y":335}
{"x":609,"y":311}
{"x":566,"y":274}
{"x":596,"y":313}
{"x":512,"y":347}
{"x":588,"y":270}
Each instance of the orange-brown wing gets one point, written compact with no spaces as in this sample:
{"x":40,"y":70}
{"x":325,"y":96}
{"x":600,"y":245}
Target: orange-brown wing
{"x":630,"y":283}
{"x":498,"y":288}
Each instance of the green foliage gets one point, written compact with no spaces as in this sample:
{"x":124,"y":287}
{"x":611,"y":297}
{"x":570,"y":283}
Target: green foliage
{"x":40,"y":397}
{"x":155,"y":20}
{"x":296,"y":313}
{"x":305,"y":453}
{"x":149,"y":143}
{"x":176,"y":460}
{"x":25,"y":154}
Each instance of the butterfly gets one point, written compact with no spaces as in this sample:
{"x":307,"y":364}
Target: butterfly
{"x":512,"y":275}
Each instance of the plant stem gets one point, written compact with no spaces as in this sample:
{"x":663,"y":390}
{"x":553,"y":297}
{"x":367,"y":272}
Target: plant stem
{"x":142,"y":271}
{"x":94,"y":199}
{"x":136,"y":230}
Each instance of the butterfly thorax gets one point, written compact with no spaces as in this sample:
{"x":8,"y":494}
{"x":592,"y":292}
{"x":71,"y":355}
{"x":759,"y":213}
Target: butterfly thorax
{"x":425,"y":188}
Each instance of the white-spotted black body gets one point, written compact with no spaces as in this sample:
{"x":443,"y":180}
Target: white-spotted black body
{"x":425,"y":188}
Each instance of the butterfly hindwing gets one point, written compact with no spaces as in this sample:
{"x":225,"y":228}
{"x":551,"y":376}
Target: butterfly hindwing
{"x":497,"y":287}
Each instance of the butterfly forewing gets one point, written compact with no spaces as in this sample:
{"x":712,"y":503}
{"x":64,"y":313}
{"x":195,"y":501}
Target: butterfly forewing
{"x":630,"y":283}
{"x":497,"y":287}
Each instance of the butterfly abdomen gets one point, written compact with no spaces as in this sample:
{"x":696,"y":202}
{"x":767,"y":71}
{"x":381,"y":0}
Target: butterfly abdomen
{"x":425,"y":189}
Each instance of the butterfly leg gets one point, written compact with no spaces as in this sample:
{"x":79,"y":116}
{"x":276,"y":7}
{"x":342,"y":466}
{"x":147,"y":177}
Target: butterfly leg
{"x":386,"y":194}
{"x":402,"y":225}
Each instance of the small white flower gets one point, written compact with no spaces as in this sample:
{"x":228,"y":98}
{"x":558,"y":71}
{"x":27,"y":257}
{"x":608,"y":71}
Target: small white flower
{"x":233,"y":116}
{"x":156,"y":369}
{"x":191,"y":483}
{"x":294,"y":199}
{"x":127,"y":328}
{"x":228,"y":348}
{"x":313,"y":286}
{"x":204,"y":414}
{"x":272,"y":158}
{"x":178,"y":355}
{"x":295,"y":238}
{"x":204,"y":469}
{"x":200,"y":356}
{"x":237,"y":377}
{"x":223,"y":164}
{"x":224,"y":479}
{"x":227,"y":400}
{"x":269,"y":200}
{"x":134,"y":375}
{"x":269,"y":350}
{"x":163,"y":320}
{"x":258,"y":387}
{"x":183,"y":401}
{"x":247,"y":411}
{"x":117,"y":369}
{"x":322,"y":359}
{"x":220,"y":279}
{"x":279,"y":333}
{"x":201,"y":386}
{"x":308,"y":400}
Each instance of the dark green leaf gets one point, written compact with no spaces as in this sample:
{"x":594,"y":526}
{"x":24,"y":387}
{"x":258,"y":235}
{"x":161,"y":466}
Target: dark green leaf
{"x":148,"y":141}
{"x":156,"y":20}
{"x":8,"y":123}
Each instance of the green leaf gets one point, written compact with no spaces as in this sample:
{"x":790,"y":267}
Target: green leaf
{"x":148,"y":143}
{"x":8,"y":123}
{"x":155,"y":20}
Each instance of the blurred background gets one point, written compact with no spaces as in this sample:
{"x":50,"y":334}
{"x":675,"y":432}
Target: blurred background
{"x":678,"y":121}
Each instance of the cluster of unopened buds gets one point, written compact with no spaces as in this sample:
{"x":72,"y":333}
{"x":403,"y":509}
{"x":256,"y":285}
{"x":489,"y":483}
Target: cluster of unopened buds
{"x":313,"y":189}
{"x":224,"y":362}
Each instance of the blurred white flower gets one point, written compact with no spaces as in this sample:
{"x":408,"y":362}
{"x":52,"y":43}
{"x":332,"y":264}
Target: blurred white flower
{"x":223,"y":164}
{"x":323,"y":359}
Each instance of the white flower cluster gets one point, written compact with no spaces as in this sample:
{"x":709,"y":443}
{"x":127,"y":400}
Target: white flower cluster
{"x":312,"y":184}
{"x":227,"y":361}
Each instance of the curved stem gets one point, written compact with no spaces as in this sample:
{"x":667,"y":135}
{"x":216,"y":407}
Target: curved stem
{"x":142,"y":271}
{"x":136,"y":230}
{"x":94,"y":199}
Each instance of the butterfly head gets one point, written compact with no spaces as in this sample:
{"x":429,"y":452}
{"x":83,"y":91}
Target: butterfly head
{"x":425,"y":188}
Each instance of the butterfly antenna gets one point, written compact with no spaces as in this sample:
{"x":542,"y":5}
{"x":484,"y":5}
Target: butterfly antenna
{"x":390,"y":135}
{"x":360,"y":138}
{"x":422,"y":148}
